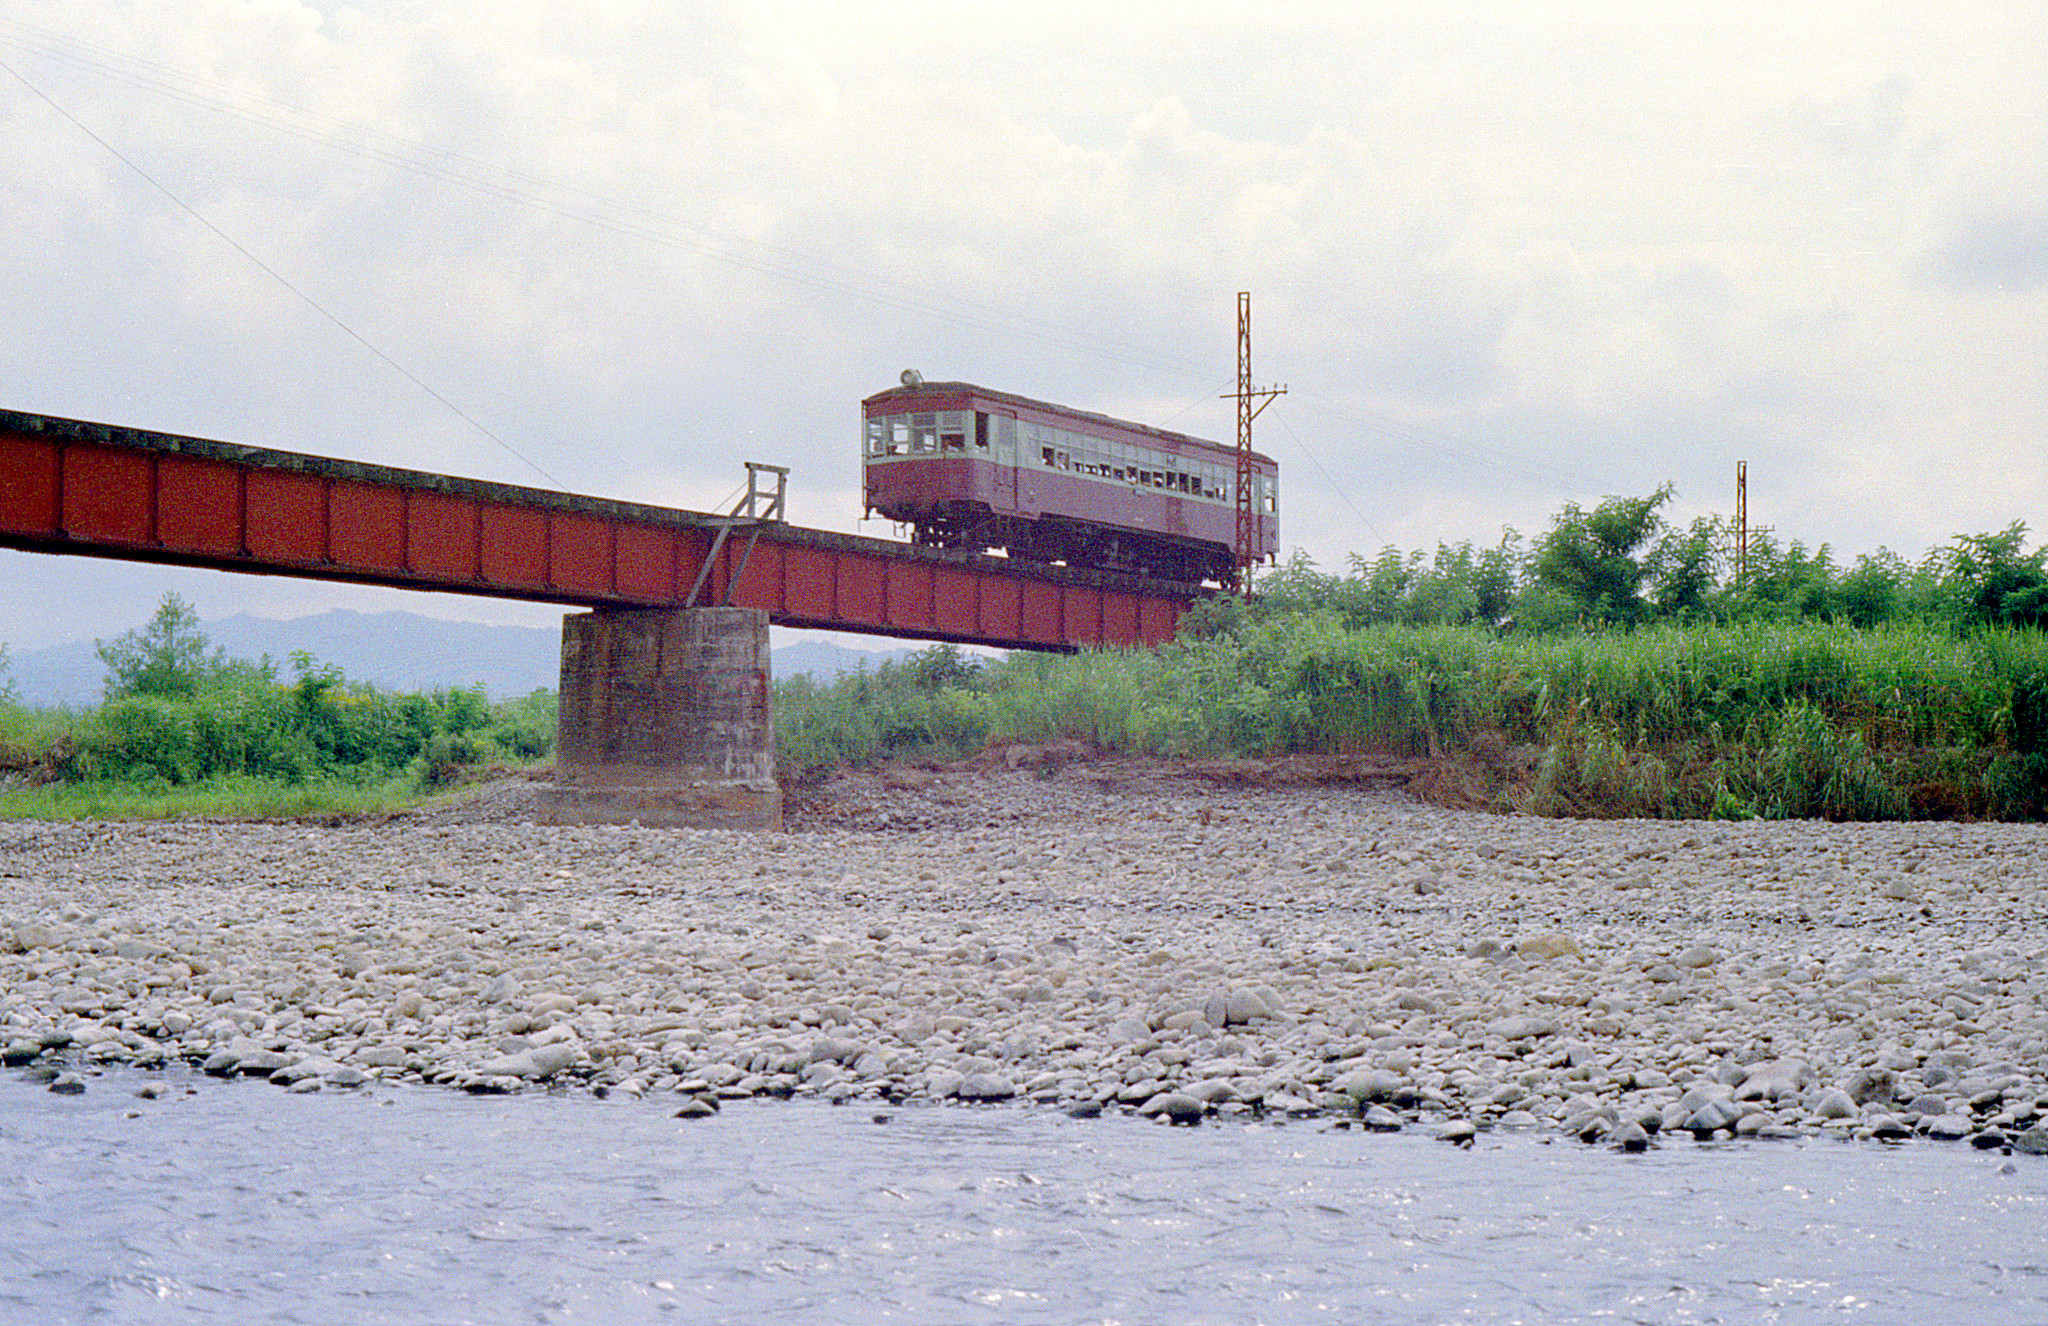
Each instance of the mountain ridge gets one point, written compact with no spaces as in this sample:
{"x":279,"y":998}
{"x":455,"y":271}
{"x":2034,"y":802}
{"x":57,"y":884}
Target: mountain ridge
{"x":392,"y":650}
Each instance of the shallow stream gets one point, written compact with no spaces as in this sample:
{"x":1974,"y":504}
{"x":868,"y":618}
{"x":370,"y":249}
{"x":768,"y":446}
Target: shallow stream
{"x":237,"y":1202}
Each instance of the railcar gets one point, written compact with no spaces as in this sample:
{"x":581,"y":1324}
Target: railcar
{"x":967,"y":467}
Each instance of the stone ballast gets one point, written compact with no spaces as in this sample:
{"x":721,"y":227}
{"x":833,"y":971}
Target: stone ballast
{"x":1114,"y":936}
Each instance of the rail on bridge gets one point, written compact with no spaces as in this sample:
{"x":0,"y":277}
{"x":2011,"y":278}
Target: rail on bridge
{"x":67,"y":486}
{"x":664,"y":702}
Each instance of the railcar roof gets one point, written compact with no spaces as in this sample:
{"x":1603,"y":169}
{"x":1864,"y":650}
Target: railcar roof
{"x":1011,"y":398}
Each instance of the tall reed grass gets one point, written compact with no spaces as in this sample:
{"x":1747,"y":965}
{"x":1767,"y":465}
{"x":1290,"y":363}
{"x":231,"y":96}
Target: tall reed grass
{"x":1793,"y":719}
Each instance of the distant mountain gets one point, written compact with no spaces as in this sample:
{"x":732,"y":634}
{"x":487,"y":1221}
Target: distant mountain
{"x":397,"y":651}
{"x":824,"y":660}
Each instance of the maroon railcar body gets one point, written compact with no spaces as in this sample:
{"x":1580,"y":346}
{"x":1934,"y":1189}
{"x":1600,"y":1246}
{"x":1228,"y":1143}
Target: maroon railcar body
{"x":967,"y":467}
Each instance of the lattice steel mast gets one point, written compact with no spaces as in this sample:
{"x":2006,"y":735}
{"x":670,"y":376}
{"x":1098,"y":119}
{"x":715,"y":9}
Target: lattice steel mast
{"x":1247,"y":507}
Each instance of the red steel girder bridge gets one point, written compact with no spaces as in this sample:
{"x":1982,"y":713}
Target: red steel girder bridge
{"x":100,"y":490}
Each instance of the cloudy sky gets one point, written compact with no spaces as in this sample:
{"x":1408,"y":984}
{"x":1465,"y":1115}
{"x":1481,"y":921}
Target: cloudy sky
{"x":1506,"y":255}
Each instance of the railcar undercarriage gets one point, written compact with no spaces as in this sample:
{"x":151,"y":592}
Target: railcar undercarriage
{"x":1076,"y":543}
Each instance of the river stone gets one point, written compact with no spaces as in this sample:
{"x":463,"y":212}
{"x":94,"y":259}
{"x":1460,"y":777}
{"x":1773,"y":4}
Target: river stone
{"x":1213,"y":1091}
{"x":1775,"y":1079}
{"x":18,"y":1053}
{"x":1631,"y":1136}
{"x":68,"y":1084}
{"x":2034,"y":1141}
{"x":1131,"y":1030}
{"x":34,"y":935}
{"x":1521,"y":1028}
{"x":1948,"y":1127}
{"x":1868,"y":1084}
{"x":533,"y":1065}
{"x":1371,"y":1084}
{"x":986,"y":1086}
{"x":1178,"y":1109}
{"x":1382,"y":1120}
{"x":1711,"y":1117}
{"x":1543,"y":948}
{"x":261,"y":1063}
{"x":1699,"y":955}
{"x":1834,"y":1103}
{"x":1458,"y":1132}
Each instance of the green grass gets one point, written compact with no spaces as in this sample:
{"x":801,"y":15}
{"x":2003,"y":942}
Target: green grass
{"x":1795,"y":719}
{"x":219,"y":798}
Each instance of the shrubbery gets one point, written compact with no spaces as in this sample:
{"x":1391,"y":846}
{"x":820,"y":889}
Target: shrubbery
{"x":178,"y":714}
{"x":1761,"y":719}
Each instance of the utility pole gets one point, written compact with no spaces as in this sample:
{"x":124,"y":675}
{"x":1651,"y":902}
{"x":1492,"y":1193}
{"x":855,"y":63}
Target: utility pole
{"x":1744,"y":532}
{"x":1247,"y":509}
{"x":1741,"y":520}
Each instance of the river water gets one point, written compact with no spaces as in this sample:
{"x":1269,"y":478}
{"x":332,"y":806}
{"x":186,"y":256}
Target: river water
{"x":235,"y":1202}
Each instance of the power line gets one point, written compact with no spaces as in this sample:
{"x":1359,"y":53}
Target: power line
{"x":789,"y":264}
{"x":616,"y":216}
{"x":1330,"y":480}
{"x":276,"y":276}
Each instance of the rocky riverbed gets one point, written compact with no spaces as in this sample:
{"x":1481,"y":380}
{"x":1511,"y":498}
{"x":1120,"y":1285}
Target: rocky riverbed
{"x":1177,"y":941}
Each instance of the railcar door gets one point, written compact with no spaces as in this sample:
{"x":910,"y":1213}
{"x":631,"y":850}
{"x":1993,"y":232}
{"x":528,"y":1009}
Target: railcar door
{"x":1003,"y":425}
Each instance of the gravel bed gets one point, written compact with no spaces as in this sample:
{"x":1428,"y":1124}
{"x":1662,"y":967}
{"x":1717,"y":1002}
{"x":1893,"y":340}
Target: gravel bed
{"x":1102,"y":937}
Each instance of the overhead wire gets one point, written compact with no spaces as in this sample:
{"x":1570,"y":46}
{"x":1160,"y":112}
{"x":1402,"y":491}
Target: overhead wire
{"x":744,"y":252}
{"x":722,"y":246}
{"x":1330,"y":480}
{"x":278,"y":277}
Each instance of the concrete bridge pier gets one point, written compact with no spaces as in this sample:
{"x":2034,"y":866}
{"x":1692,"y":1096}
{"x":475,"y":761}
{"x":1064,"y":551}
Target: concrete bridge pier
{"x":665,"y":719}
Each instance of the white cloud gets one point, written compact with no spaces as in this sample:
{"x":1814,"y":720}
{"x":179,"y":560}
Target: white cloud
{"x":1508,"y":254}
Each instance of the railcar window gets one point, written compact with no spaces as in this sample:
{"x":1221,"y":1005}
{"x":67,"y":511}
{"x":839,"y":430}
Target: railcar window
{"x":980,"y":431}
{"x":1045,"y":454}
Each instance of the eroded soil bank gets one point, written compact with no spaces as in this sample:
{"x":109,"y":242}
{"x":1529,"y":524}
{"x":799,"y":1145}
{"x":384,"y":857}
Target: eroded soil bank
{"x":1115,"y":934}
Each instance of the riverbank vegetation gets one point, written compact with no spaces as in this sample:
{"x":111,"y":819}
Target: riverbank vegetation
{"x":1614,"y":667}
{"x":185,"y":730}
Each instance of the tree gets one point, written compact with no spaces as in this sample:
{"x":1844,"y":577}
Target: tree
{"x":1871,"y":590}
{"x":166,"y":658}
{"x":1998,"y":584}
{"x":1589,"y":557}
{"x":941,"y":666}
{"x":1680,"y":569}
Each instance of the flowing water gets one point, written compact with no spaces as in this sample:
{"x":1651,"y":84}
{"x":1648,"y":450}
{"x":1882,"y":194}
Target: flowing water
{"x":235,"y":1202}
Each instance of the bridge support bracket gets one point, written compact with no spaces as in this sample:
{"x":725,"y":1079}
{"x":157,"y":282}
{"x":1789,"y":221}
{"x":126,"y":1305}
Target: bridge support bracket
{"x":665,"y":720}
